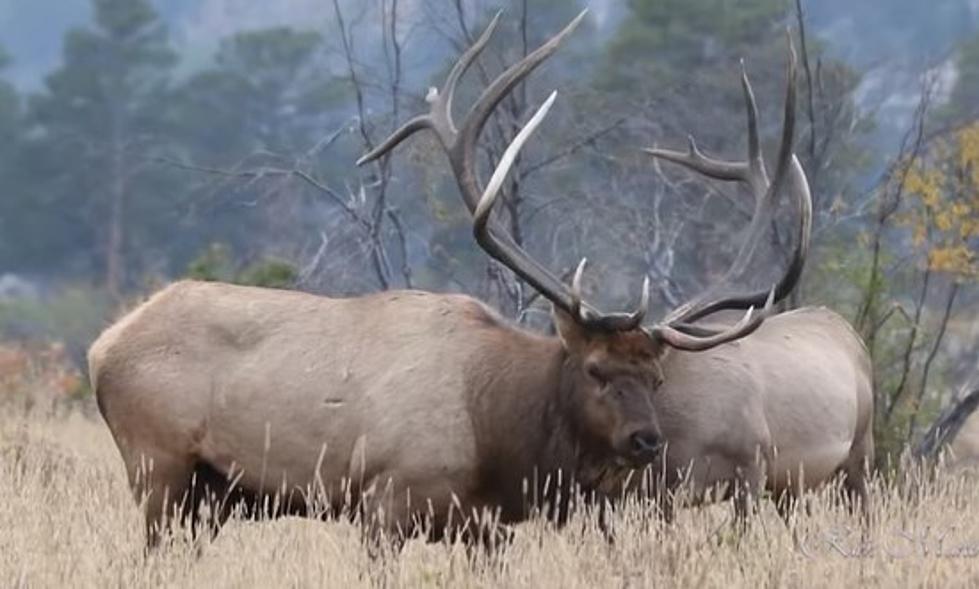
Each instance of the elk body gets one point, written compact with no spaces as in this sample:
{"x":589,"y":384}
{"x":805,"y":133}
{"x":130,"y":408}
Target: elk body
{"x":362,"y":400}
{"x":404,"y":406}
{"x":965,"y":447}
{"x":785,"y":409}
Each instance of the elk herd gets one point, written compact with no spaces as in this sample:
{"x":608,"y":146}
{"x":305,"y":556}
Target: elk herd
{"x":426,"y":412}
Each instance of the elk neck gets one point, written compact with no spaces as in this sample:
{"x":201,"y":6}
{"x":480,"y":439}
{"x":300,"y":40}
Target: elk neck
{"x":522,"y":407}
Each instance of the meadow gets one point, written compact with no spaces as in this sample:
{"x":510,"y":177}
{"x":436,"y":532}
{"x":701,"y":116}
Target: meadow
{"x":67,"y":519}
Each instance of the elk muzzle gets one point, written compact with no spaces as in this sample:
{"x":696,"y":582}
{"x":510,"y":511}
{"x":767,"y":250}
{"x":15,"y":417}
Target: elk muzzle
{"x":644,"y":445}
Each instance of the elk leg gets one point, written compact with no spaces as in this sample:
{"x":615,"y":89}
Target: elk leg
{"x":855,"y":472}
{"x":383,"y":518}
{"x":666,"y":505}
{"x":855,"y":492}
{"x":788,"y":501}
{"x":604,"y":508}
{"x":161,"y":482}
{"x":211,"y":501}
{"x":490,"y":539}
{"x":747,"y":485}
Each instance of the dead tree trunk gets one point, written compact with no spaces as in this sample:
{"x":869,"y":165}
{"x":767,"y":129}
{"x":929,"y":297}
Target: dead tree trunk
{"x":947,"y":426}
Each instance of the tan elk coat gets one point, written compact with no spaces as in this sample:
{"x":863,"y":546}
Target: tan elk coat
{"x":414,"y":403}
{"x":791,"y":403}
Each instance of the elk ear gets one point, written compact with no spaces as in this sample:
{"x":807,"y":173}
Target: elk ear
{"x":573,"y":335}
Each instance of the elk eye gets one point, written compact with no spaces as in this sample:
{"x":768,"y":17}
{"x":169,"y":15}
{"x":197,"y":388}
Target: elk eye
{"x":596,"y":373}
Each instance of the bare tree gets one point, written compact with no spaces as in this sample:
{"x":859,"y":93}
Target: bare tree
{"x":944,"y":429}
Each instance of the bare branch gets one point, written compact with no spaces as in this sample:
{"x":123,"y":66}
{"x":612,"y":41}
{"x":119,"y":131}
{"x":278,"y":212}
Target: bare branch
{"x":911,"y":146}
{"x":573,"y":148}
{"x":269,"y":172}
{"x":898,"y":393}
{"x":936,"y":344}
{"x":347,"y":44}
{"x":310,"y":268}
{"x":399,"y":229}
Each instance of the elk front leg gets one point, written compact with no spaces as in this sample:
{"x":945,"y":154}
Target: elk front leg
{"x":749,"y":481}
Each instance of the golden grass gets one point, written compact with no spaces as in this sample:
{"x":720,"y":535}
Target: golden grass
{"x":67,"y":520}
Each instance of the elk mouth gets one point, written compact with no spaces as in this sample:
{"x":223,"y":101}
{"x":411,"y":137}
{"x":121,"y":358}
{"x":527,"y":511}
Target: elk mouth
{"x":639,"y":461}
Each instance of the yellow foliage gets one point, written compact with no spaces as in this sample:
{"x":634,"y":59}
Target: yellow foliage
{"x":955,"y":258}
{"x":927,"y":184}
{"x":943,"y":184}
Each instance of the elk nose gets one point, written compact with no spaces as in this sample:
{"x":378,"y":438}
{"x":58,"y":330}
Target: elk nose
{"x":644,"y":444}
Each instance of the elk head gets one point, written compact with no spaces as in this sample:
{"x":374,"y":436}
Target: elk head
{"x":610,"y":359}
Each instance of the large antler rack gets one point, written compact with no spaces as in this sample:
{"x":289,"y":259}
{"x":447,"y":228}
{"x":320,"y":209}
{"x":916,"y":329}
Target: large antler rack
{"x":460,"y":147}
{"x":751,"y":172}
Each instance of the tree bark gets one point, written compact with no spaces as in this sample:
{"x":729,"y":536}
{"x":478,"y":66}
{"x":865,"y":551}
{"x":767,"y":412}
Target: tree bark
{"x":114,"y":262}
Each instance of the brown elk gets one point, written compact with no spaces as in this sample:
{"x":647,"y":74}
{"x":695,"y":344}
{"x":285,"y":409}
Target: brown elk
{"x":406,"y":406}
{"x":788,"y":407}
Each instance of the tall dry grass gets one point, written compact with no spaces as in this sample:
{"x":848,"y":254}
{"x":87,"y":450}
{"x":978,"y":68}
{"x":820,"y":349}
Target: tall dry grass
{"x":67,"y":520}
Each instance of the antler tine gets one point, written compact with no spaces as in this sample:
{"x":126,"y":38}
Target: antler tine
{"x":694,"y":159}
{"x":676,"y":337}
{"x":502,"y":85}
{"x":585,"y":314}
{"x":403,"y":132}
{"x":756,"y":163}
{"x":576,"y":288}
{"x":492,"y":190}
{"x":799,"y":186}
{"x":785,"y":153}
{"x":462,"y":65}
{"x":623,"y":320}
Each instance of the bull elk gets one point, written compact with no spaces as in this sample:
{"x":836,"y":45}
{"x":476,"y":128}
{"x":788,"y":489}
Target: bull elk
{"x":407,"y":406}
{"x":788,"y":407}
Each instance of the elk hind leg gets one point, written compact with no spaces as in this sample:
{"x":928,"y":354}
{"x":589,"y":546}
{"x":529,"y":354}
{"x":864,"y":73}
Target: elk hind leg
{"x":161,"y":482}
{"x":856,"y":493}
{"x":212,"y":499}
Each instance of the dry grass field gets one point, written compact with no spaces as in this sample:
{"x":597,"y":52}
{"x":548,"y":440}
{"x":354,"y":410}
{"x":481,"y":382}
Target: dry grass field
{"x":67,"y":520}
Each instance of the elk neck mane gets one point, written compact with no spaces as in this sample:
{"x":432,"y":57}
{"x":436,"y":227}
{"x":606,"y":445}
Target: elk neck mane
{"x":522,"y":404}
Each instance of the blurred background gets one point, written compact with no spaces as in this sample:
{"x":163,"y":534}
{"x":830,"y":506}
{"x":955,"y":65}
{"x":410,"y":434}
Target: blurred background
{"x":142,"y":141}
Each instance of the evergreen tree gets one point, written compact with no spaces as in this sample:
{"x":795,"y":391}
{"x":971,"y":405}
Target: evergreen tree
{"x":266,"y":100}
{"x":95,"y":128}
{"x":10,"y":137}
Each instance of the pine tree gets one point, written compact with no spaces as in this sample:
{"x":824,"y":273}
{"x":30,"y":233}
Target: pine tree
{"x":95,"y":125}
{"x":10,"y":136}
